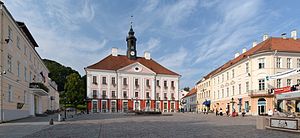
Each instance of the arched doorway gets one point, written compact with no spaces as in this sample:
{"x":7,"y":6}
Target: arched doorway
{"x":261,"y":106}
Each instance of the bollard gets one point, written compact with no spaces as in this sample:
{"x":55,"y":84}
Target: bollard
{"x":51,"y":122}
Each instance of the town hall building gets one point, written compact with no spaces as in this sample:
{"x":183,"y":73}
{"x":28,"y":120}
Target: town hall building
{"x":122,"y":83}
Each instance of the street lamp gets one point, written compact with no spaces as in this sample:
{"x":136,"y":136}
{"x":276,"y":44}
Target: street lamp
{"x":232,"y":101}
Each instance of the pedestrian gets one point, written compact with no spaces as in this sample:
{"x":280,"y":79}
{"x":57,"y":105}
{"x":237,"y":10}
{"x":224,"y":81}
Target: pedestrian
{"x":270,"y":112}
{"x":204,"y":111}
{"x":217,"y":112}
{"x":227,"y":111}
{"x":220,"y":112}
{"x":243,"y":112}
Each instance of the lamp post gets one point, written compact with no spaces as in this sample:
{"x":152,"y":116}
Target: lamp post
{"x":232,"y":101}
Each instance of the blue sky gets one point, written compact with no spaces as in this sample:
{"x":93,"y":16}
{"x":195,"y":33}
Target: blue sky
{"x":191,"y":37}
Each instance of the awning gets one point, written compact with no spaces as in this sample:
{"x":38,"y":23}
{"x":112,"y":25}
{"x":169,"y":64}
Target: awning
{"x":288,"y":95}
{"x":39,"y":92}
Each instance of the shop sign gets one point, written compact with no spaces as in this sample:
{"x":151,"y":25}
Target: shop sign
{"x":289,"y":95}
{"x":284,"y":123}
{"x":282,"y":90}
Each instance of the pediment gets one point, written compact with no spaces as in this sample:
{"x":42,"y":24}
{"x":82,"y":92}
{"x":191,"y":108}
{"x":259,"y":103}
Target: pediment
{"x":136,"y":68}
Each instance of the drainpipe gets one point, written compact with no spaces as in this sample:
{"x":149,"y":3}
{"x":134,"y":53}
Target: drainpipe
{"x":1,"y":70}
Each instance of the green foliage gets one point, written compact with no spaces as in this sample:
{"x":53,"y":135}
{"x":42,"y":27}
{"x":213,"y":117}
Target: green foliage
{"x":58,"y":73}
{"x":74,"y":90}
{"x":81,"y":107}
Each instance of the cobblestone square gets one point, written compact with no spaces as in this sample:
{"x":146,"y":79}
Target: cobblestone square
{"x":127,"y":125}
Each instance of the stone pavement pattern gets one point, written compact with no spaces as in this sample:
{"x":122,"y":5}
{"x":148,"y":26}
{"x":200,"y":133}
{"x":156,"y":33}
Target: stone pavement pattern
{"x":179,"y":125}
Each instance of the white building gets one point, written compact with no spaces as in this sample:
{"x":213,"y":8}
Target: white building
{"x":121,"y":83}
{"x":190,"y":101}
{"x":24,"y":83}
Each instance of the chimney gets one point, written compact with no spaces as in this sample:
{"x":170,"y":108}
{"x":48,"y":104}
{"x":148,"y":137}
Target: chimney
{"x":265,"y":37}
{"x":236,"y":55}
{"x":283,"y":35}
{"x":254,"y":44}
{"x":114,"y":51}
{"x":244,"y":50}
{"x":294,"y":34}
{"x":147,"y":55}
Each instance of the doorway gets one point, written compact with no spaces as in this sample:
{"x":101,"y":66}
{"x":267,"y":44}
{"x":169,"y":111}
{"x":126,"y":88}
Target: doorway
{"x":104,"y":106}
{"x":261,"y":105}
{"x":95,"y":106}
{"x":113,"y":106}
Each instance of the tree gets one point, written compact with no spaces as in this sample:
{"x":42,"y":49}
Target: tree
{"x":186,"y":89}
{"x":58,"y":73}
{"x":74,"y":90}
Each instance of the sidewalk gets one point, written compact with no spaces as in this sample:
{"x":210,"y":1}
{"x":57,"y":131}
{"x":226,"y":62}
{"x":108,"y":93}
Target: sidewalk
{"x":23,"y":127}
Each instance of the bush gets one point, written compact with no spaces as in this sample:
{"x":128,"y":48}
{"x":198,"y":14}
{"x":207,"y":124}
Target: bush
{"x":81,"y":107}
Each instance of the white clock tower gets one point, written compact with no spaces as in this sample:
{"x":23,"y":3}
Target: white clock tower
{"x":131,"y":45}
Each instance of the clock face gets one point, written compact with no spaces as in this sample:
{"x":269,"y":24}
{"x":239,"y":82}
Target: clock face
{"x":132,"y":53}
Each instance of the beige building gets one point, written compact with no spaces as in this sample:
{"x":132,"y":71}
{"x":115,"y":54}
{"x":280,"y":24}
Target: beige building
{"x":25,"y":88}
{"x":240,"y":84}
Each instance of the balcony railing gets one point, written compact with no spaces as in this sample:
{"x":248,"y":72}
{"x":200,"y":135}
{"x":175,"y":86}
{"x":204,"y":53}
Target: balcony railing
{"x":258,"y":93}
{"x":95,"y":96}
{"x":38,"y":85}
{"x":104,"y":96}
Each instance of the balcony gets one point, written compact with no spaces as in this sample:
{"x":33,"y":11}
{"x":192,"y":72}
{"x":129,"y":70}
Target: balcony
{"x":38,"y":88}
{"x":173,"y":98}
{"x":260,"y":93}
{"x":104,"y":96}
{"x":165,"y":98}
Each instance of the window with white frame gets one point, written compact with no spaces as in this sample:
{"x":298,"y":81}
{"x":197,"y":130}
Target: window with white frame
{"x":247,"y":86}
{"x":261,"y":84}
{"x":18,"y":65}
{"x":261,"y":63}
{"x":222,"y":77}
{"x":18,"y":42}
{"x":227,"y":92}
{"x":278,"y":62}
{"x":247,"y":67}
{"x":10,"y":33}
{"x":288,"y":82}
{"x":222,"y":93}
{"x":113,"y":81}
{"x":288,"y":63}
{"x":94,"y":79}
{"x":25,"y":97}
{"x":104,"y":81}
{"x":227,"y":75}
{"x":9,"y":62}
{"x":240,"y":88}
{"x":25,"y":73}
{"x":232,"y":73}
{"x":10,"y":93}
{"x":136,"y":94}
{"x":298,"y":62}
{"x":278,"y":83}
{"x":125,"y":81}
{"x":219,"y":95}
{"x":232,"y":90}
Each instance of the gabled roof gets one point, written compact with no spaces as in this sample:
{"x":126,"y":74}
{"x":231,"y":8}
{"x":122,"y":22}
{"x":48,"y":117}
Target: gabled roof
{"x":117,"y":62}
{"x":192,"y":92}
{"x":270,"y":45}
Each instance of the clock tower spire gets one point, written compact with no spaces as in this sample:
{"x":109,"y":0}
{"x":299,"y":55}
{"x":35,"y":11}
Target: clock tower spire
{"x":131,"y":44}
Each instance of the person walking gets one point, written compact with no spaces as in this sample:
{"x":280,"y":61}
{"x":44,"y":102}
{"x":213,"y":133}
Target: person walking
{"x":217,"y":112}
{"x":227,"y":111}
{"x":220,"y":112}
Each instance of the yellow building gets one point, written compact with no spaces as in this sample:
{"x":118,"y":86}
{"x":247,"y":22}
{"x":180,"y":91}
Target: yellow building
{"x":240,"y":84}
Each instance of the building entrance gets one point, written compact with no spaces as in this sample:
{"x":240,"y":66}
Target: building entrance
{"x":261,"y":105}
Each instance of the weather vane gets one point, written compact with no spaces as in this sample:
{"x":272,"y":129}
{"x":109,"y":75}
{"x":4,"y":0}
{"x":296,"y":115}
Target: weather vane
{"x":131,"y":22}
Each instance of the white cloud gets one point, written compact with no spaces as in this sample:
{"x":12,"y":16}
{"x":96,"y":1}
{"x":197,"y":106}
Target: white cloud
{"x":174,"y":60}
{"x":151,"y":44}
{"x":151,"y":5}
{"x":177,"y":12}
